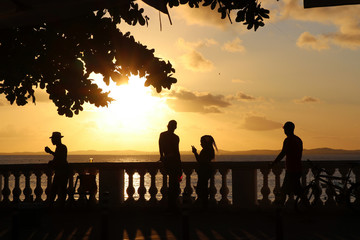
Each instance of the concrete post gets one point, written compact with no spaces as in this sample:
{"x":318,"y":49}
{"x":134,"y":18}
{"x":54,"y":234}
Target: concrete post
{"x":111,"y":186}
{"x":244,"y":187}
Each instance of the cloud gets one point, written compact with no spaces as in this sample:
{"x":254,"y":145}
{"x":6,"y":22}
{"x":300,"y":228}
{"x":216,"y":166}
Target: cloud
{"x":307,"y":40}
{"x":196,"y":62}
{"x":239,"y":96}
{"x":194,"y":45}
{"x":202,"y":16}
{"x":193,"y":60}
{"x":307,"y":99}
{"x":234,"y":46}
{"x":257,"y":123}
{"x":186,"y":101}
{"x":345,"y":18}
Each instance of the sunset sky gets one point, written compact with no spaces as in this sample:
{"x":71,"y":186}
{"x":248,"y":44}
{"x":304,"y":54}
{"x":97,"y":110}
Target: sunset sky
{"x":237,"y":85}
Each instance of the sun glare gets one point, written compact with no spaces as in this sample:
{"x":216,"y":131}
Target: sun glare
{"x":134,"y":107}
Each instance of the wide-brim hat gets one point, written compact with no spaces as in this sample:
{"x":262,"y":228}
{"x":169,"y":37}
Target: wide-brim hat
{"x":56,"y":135}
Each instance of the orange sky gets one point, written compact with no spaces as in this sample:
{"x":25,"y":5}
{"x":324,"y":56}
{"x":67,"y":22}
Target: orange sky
{"x":239,"y":86}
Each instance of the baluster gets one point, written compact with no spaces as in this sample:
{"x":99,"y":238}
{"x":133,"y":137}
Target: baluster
{"x":356,"y":171}
{"x":317,"y":200}
{"x":277,"y":170}
{"x":130,"y":190}
{"x":304,"y":174}
{"x":188,"y":189}
{"x":224,"y":190}
{"x":153,"y":190}
{"x":212,"y":190}
{"x":265,"y":190}
{"x":38,"y":189}
{"x":330,"y":201}
{"x":16,"y":190}
{"x":6,"y":190}
{"x":27,"y":190}
{"x":71,"y":188}
{"x":49,"y":174}
{"x":142,"y":188}
{"x":82,"y":193}
{"x":344,"y":173}
{"x":164,"y":188}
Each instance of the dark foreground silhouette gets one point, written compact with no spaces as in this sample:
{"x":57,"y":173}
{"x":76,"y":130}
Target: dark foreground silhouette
{"x":205,"y":170}
{"x":151,"y":224}
{"x":62,"y":170}
{"x":170,"y":157}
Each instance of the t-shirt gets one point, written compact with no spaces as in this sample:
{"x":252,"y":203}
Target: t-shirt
{"x":293,"y":148}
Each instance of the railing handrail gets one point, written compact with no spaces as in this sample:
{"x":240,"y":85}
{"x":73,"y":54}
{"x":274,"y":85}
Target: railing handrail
{"x":244,"y":188}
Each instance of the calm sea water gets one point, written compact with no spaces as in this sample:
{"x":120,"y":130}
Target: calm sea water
{"x":26,"y":159}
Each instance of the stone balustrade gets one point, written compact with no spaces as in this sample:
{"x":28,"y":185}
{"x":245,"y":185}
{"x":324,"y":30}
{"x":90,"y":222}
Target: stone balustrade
{"x":234,"y":184}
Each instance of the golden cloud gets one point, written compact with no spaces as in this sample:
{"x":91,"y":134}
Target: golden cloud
{"x":307,"y":99}
{"x":307,"y":40}
{"x":187,"y":101}
{"x":234,"y":46}
{"x":196,"y":62}
{"x":257,"y":123}
{"x":345,"y":18}
{"x":202,"y":16}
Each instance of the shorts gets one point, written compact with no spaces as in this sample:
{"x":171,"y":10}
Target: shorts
{"x":291,"y":184}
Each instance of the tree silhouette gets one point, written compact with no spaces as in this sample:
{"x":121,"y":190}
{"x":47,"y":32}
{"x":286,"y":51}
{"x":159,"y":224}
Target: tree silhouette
{"x":59,"y":56}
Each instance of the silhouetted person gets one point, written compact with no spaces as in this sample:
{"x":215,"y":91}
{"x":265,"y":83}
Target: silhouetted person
{"x":170,"y":157}
{"x":61,"y":168}
{"x":205,"y":171}
{"x":292,"y":149}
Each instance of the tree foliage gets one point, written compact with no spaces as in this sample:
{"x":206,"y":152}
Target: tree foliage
{"x":59,"y":56}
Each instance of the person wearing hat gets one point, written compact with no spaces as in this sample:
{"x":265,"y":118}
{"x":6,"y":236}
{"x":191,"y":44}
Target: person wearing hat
{"x":61,"y":168}
{"x":292,"y":150}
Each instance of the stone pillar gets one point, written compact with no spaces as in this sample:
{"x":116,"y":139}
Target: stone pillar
{"x":244,"y":187}
{"x":111,"y":186}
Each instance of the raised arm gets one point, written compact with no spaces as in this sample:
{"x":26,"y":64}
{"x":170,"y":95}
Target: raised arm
{"x":194,"y":150}
{"x":48,"y":150}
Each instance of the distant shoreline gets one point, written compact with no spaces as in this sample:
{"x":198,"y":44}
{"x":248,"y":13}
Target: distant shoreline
{"x":315,"y":151}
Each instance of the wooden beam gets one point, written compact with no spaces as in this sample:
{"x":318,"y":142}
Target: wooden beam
{"x":328,"y":3}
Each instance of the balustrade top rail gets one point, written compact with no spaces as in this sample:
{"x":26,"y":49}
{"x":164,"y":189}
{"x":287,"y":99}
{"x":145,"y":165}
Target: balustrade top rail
{"x":240,"y":184}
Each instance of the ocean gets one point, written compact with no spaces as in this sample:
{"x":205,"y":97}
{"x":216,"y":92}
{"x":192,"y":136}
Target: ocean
{"x":31,"y":159}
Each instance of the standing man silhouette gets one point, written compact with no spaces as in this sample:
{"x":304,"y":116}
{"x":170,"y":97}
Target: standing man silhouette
{"x":170,"y":157}
{"x":61,"y":167}
{"x":292,"y":149}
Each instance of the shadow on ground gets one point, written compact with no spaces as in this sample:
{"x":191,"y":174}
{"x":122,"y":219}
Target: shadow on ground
{"x":151,"y":224}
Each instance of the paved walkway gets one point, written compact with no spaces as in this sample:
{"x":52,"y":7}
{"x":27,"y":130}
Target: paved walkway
{"x":144,"y":224}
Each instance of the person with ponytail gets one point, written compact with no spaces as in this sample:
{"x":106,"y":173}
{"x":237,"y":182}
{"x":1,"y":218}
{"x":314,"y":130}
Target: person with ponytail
{"x":205,"y":170}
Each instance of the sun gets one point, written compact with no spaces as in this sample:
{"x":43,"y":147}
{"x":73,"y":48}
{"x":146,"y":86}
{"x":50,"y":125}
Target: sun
{"x":135,"y":107}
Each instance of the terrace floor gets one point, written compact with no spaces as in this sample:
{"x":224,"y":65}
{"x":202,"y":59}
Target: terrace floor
{"x":195,"y":224}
